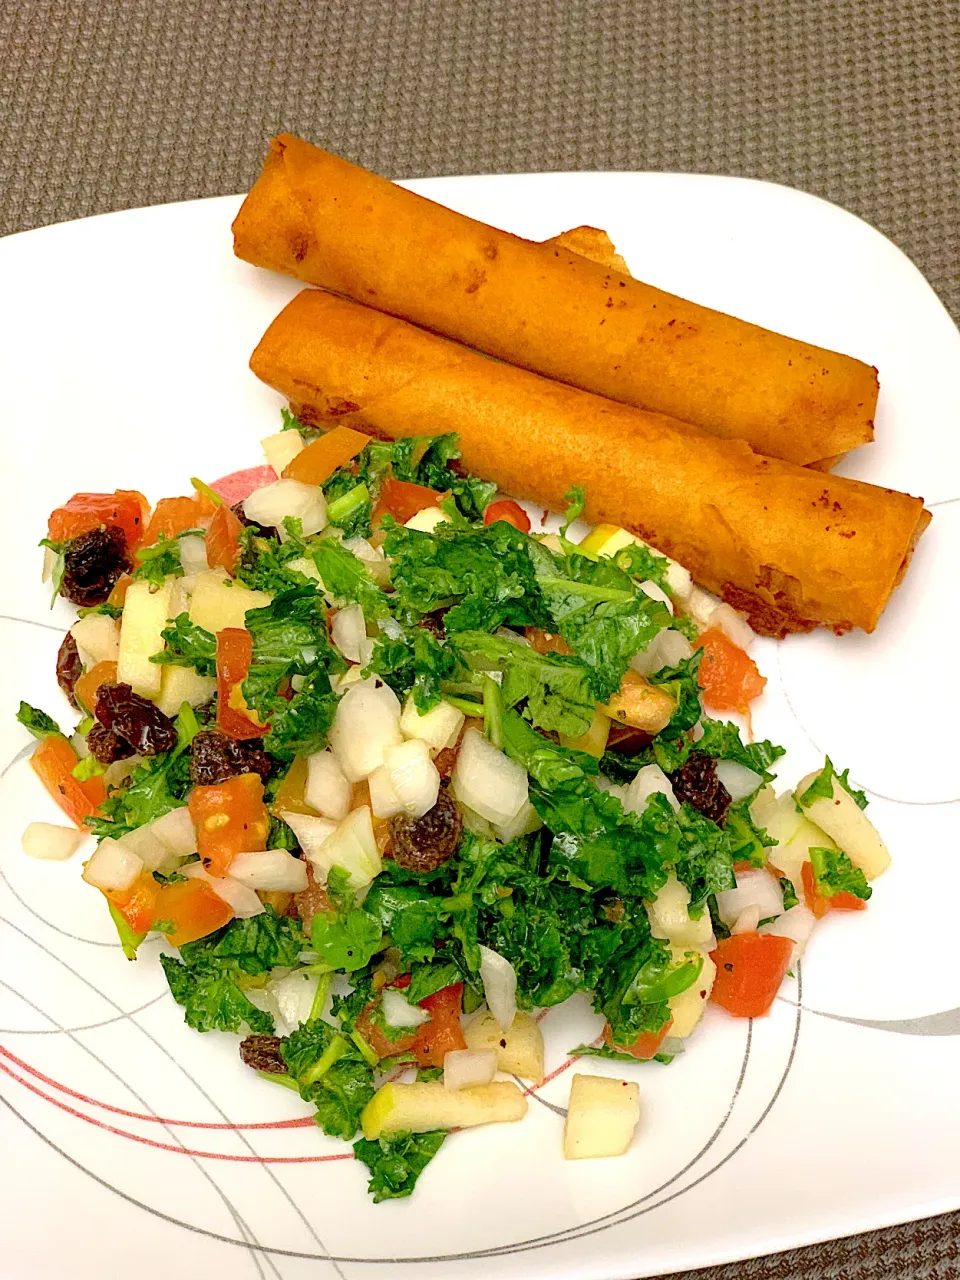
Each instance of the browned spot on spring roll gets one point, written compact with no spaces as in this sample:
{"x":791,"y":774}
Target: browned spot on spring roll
{"x":545,"y":308}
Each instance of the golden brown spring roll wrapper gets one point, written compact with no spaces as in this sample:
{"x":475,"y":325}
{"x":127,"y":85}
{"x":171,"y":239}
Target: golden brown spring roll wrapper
{"x":542,"y":307}
{"x":790,"y":547}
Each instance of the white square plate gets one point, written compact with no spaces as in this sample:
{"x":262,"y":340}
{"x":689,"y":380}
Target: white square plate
{"x":132,"y":1144}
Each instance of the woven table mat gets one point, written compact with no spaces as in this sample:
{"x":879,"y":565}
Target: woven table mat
{"x":110,"y":104}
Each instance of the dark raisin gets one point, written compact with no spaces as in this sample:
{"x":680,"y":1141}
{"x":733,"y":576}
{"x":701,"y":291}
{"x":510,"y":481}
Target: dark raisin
{"x":92,"y":564}
{"x":697,"y":783}
{"x":433,"y":622}
{"x":423,"y":844}
{"x":135,"y":719}
{"x":263,"y":1054}
{"x":106,"y":746}
{"x":445,"y":760}
{"x":69,"y":667}
{"x":311,"y":900}
{"x":214,"y":758}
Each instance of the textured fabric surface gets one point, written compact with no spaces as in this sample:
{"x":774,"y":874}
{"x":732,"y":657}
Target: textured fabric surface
{"x":108,"y":104}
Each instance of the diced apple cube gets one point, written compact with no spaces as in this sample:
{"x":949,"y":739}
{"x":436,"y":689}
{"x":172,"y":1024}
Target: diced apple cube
{"x":281,"y":448}
{"x":601,"y":1117}
{"x":846,"y":823}
{"x":97,"y":637}
{"x":182,"y":684}
{"x":423,"y":1107}
{"x":670,"y":917}
{"x":688,"y":1007}
{"x":519,"y":1051}
{"x":438,"y":728}
{"x":218,"y":602}
{"x":145,"y":614}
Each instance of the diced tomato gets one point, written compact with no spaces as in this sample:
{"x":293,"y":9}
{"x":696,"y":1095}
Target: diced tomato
{"x":192,"y":908}
{"x":510,"y":512}
{"x":291,"y":791}
{"x":240,"y":484}
{"x":230,"y":818}
{"x":85,"y":690}
{"x":646,"y":1046}
{"x":321,"y":458}
{"x":138,"y":904}
{"x":171,"y":516}
{"x":125,"y":509}
{"x":234,"y":653}
{"x":53,"y":761}
{"x":750,"y":969}
{"x":402,"y":500}
{"x":443,"y":1032}
{"x":223,"y":547}
{"x":728,"y":677}
{"x":546,"y":641}
{"x":820,"y":903}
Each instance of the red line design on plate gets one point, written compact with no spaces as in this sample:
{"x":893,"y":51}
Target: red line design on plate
{"x":301,"y":1122}
{"x":167,"y":1146}
{"x":564,"y":1066}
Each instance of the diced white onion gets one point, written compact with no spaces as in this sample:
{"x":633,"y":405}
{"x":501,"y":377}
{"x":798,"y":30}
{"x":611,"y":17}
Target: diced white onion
{"x":413,"y":776}
{"x":747,"y":921}
{"x":755,"y":888}
{"x":117,"y":773}
{"x":193,"y":554}
{"x":666,"y":649}
{"x":699,"y":605}
{"x":272,"y":504}
{"x":366,"y":723}
{"x":51,"y":842}
{"x":112,"y":866}
{"x":384,"y":800}
{"x":240,"y":898}
{"x":649,"y":779}
{"x":796,"y":924}
{"x":327,"y":790}
{"x":499,"y":980}
{"x":738,"y":779}
{"x":466,"y":1068}
{"x":399,"y":1012}
{"x":49,"y":560}
{"x":673,"y":1045}
{"x":438,"y":728}
{"x":176,"y":830}
{"x":525,"y":821}
{"x":349,"y":631}
{"x":427,"y":519}
{"x":281,"y":448}
{"x":98,"y":637}
{"x":351,"y":846}
{"x":617,"y":789}
{"x":293,"y":997}
{"x":487,"y":780}
{"x":655,"y":592}
{"x":375,"y":561}
{"x":733,"y":624}
{"x":272,"y":869}
{"x":311,"y":832}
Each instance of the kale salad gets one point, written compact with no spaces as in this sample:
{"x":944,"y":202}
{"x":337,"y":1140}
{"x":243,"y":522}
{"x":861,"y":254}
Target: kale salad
{"x":391,"y":773}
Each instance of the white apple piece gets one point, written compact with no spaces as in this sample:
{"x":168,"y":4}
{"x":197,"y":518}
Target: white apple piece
{"x":467,"y":1068}
{"x":739,"y":781}
{"x":182,"y":684}
{"x":327,"y":790}
{"x":281,"y":448}
{"x":97,"y":637}
{"x":670,"y":917}
{"x":366,"y":723}
{"x":429,"y":1105}
{"x":601,"y":1117}
{"x":438,"y":728}
{"x":276,"y":870}
{"x":275,"y":502}
{"x":145,"y":614}
{"x":218,"y":602}
{"x":427,"y":519}
{"x":519,"y":1050}
{"x":111,"y":866}
{"x":487,"y":781}
{"x":51,"y":842}
{"x":846,"y":823}
{"x":689,"y":1006}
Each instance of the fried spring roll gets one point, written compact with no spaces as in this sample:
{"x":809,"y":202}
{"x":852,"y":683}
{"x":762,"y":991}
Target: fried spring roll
{"x":792,"y":548}
{"x":543,"y":307}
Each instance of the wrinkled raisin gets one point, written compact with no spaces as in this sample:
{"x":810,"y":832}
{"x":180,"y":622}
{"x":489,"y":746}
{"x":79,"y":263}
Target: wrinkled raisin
{"x":214,"y":758}
{"x":92,"y":564}
{"x":106,"y":746}
{"x":69,"y":667}
{"x":423,"y":844}
{"x":445,"y":761}
{"x":697,"y":783}
{"x":135,"y":719}
{"x":433,"y":622}
{"x":263,"y":1054}
{"x":311,"y":899}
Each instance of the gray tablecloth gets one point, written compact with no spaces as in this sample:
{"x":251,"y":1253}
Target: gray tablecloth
{"x":110,"y":104}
